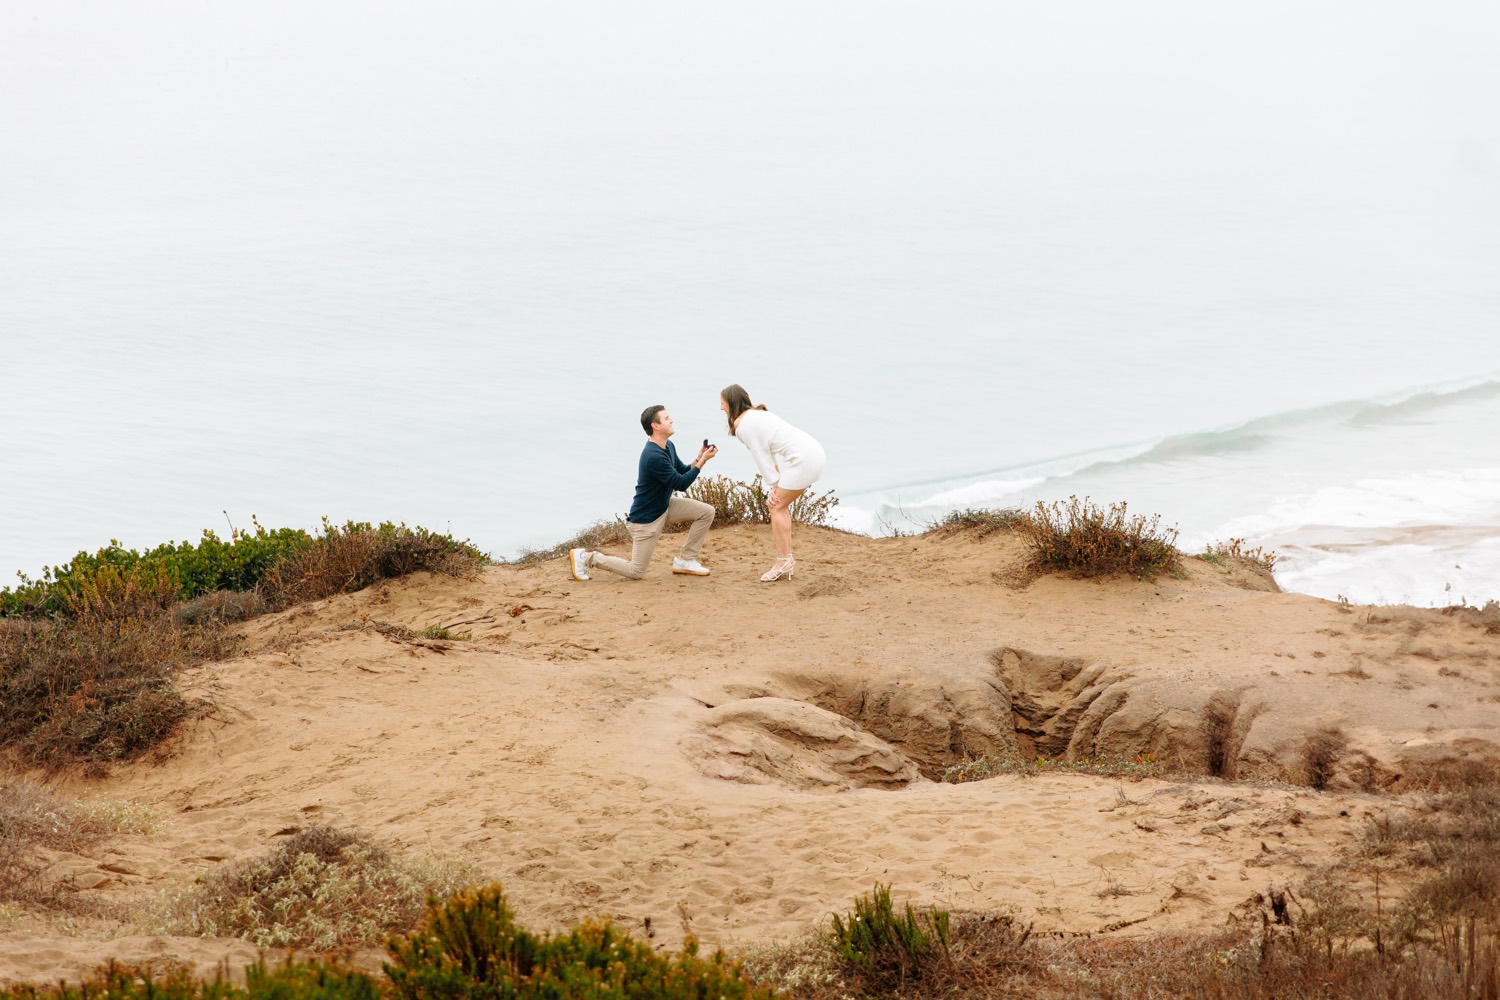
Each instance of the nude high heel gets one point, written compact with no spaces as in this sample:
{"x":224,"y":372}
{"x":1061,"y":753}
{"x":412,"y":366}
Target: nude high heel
{"x":780,"y":568}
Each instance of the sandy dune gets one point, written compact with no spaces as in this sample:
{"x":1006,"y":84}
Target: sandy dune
{"x":755,"y":756}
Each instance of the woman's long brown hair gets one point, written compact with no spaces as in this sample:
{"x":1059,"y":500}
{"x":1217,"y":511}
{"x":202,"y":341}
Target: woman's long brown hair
{"x":739,"y":401}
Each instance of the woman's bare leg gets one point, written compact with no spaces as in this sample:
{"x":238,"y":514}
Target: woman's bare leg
{"x":780,"y":505}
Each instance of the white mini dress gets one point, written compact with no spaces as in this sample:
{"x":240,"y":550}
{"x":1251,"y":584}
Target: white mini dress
{"x":785,"y":456}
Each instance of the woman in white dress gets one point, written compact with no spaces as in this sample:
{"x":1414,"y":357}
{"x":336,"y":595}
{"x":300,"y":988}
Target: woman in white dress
{"x":789,"y":461}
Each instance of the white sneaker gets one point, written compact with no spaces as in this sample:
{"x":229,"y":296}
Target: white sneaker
{"x":580,"y":560}
{"x":691,"y":567}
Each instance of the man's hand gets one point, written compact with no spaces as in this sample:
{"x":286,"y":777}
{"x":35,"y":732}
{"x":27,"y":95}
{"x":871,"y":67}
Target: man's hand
{"x":704,"y":454}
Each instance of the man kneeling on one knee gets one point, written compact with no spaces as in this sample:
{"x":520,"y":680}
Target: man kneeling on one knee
{"x":661,"y":475}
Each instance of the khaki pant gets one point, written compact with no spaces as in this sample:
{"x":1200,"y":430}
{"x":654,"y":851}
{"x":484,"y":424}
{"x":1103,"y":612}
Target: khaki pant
{"x":645,"y":536}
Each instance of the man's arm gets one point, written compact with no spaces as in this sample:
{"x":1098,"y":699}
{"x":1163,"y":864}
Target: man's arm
{"x":704,"y":454}
{"x":660,"y":467}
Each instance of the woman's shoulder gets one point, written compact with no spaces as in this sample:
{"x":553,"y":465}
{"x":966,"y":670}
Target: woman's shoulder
{"x":754,"y":418}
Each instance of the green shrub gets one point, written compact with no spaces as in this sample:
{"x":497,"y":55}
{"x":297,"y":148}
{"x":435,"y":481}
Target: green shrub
{"x":340,"y":558}
{"x":472,"y":947}
{"x":323,"y":888}
{"x":213,"y":564}
{"x":292,"y":981}
{"x":1078,"y":537}
{"x":884,"y":948}
{"x":305,"y":981}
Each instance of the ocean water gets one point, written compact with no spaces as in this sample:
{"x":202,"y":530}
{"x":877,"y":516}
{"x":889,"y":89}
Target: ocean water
{"x":1394,"y":499}
{"x":375,"y":261}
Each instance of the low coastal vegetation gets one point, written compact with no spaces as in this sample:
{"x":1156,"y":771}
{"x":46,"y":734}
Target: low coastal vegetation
{"x":978,"y":521}
{"x":90,"y":653}
{"x":473,"y":947}
{"x":33,"y":817}
{"x":470,"y":946}
{"x":1434,"y":933}
{"x":1236,"y":550}
{"x":1079,"y":537}
{"x":1330,"y":937}
{"x":736,"y":502}
{"x":317,"y":980}
{"x":1322,"y":940}
{"x":96,"y":683}
{"x":282,"y":565}
{"x":324,"y":888}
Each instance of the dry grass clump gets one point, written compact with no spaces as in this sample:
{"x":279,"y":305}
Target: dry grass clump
{"x":349,"y":558}
{"x":324,"y":888}
{"x":736,"y":502}
{"x":96,"y":684}
{"x":33,"y":817}
{"x":1268,"y":962}
{"x":1236,"y":550}
{"x":1486,"y":617}
{"x":1078,"y":537}
{"x":1455,"y":843}
{"x":1321,"y":752}
{"x":978,"y":522}
{"x":877,"y":950}
{"x":221,"y":606}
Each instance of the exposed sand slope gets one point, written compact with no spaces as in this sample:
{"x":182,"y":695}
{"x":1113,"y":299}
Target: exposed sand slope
{"x":757,"y":752}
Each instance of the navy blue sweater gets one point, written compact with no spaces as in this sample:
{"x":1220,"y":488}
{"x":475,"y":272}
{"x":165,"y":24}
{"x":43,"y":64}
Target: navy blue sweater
{"x":660,"y":473}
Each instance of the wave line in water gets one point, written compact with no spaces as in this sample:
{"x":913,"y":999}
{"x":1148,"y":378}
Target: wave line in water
{"x":1252,"y":435}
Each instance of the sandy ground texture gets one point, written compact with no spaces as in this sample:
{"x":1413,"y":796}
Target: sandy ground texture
{"x":747,"y":758}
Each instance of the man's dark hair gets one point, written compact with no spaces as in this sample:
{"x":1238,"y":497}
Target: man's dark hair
{"x":648,"y":417}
